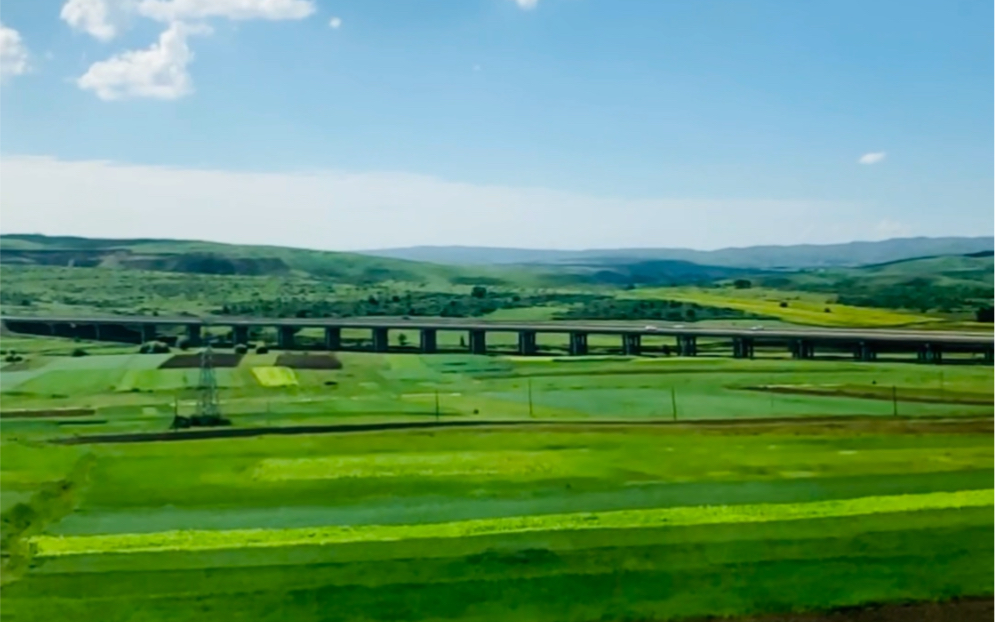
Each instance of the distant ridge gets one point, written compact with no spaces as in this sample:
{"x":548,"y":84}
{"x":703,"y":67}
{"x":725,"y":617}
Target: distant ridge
{"x":792,"y":257}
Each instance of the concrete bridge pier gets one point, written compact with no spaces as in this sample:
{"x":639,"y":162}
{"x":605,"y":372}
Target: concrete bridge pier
{"x":478,"y":342}
{"x":193,"y":334}
{"x":631,"y":344}
{"x":239,"y":335}
{"x":86,"y":331}
{"x":578,"y":344}
{"x":865,"y":352}
{"x":381,"y":338}
{"x":687,"y":345}
{"x":802,"y":349}
{"x":285,"y":337}
{"x":527,"y":342}
{"x":333,"y":338}
{"x":742,"y":348}
{"x":429,"y":340}
{"x":989,"y":356}
{"x":931,"y":353}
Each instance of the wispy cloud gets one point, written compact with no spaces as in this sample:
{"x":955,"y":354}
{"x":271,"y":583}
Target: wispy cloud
{"x":348,"y":210}
{"x":872,"y":158}
{"x":13,"y":53}
{"x":173,"y":10}
{"x":335,"y":22}
{"x":892,"y":229}
{"x":527,"y":4}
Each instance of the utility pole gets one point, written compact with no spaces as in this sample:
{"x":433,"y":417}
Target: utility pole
{"x":894,"y":401}
{"x":531,"y":413}
{"x":436,"y":405}
{"x":673,"y":401}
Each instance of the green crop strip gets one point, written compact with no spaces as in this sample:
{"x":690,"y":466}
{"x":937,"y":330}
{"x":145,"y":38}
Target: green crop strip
{"x":194,"y":540}
{"x":407,"y":465}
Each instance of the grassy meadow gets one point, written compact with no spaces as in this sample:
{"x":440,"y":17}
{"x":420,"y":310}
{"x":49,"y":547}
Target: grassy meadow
{"x":559,"y":521}
{"x":622,"y":492}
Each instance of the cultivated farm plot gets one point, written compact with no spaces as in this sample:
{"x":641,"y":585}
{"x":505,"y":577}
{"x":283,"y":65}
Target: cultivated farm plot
{"x":275,"y":376}
{"x":558,"y":521}
{"x":123,"y":390}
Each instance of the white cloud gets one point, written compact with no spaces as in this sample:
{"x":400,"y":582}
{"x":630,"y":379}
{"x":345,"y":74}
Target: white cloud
{"x":13,"y":54}
{"x":527,"y":4}
{"x":90,"y":16}
{"x":892,"y":229}
{"x":335,"y":22}
{"x":173,"y":10}
{"x":161,"y":70}
{"x":158,"y":72}
{"x":872,"y":158}
{"x":351,"y":211}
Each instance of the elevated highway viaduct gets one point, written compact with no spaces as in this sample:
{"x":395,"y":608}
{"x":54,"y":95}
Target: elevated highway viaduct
{"x":802,"y":343}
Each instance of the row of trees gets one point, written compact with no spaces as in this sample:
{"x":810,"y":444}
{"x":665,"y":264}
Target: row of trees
{"x":478,"y":303}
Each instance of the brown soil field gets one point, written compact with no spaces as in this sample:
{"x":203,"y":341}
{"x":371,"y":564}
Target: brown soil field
{"x":308,"y":361}
{"x":24,"y":365}
{"x":192,"y":361}
{"x":959,"y":610}
{"x":52,"y":412}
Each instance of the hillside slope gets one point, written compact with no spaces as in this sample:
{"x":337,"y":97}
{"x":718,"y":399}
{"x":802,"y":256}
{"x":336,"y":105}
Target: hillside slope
{"x":943,"y":283}
{"x":198,"y":257}
{"x":211,"y":258}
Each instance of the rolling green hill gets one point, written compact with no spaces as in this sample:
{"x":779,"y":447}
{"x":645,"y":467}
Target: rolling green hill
{"x":147,"y":275}
{"x":213,"y":258}
{"x":944,"y":283}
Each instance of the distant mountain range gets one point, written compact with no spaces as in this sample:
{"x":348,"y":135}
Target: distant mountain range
{"x":795,"y":257}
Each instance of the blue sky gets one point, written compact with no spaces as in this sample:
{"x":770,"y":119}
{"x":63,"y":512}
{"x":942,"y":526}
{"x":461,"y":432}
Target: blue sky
{"x":552,"y":123}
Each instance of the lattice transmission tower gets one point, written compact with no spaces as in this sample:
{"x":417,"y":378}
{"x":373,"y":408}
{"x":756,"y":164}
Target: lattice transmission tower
{"x":208,"y":408}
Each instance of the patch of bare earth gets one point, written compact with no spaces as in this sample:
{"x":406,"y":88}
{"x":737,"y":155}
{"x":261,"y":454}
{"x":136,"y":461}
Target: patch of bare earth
{"x":959,"y":610}
{"x":52,"y":412}
{"x":308,"y":361}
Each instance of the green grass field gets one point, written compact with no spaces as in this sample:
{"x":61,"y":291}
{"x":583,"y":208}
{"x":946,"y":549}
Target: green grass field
{"x":599,"y":506}
{"x":818,"y":515}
